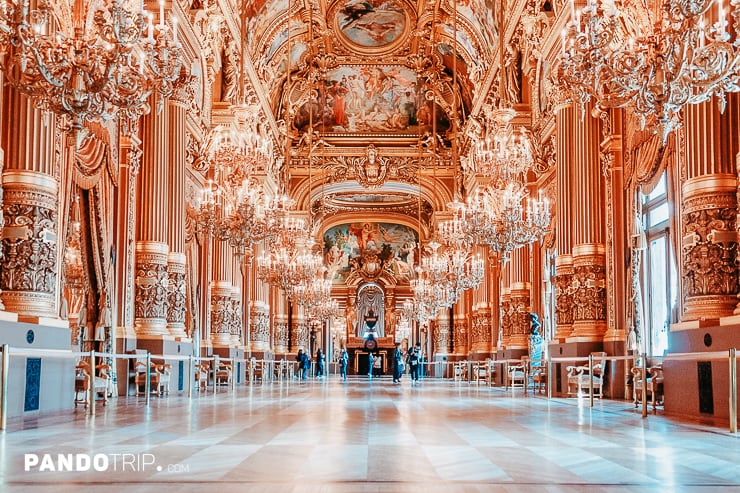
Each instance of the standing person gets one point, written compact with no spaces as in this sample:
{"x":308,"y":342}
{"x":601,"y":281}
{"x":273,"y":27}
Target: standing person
{"x":413,"y":361}
{"x":370,"y":361}
{"x":397,"y":364}
{"x":320,"y":363}
{"x":306,"y":365}
{"x":420,"y":370}
{"x":343,"y":361}
{"x":299,"y":359}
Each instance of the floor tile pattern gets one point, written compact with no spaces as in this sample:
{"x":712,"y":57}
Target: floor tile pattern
{"x":359,"y":436}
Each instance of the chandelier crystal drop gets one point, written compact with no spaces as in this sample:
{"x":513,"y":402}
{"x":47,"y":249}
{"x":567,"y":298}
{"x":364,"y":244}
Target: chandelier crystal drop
{"x":88,"y":61}
{"x":623,"y":54}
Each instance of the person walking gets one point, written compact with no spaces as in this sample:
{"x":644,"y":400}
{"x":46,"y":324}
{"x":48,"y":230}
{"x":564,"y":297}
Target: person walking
{"x":304,"y":363}
{"x":320,"y":358}
{"x":370,"y":361}
{"x":343,"y":362}
{"x":397,"y":364}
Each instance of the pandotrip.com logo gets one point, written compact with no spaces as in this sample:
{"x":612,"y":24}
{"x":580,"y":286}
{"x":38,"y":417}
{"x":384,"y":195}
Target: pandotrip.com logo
{"x":137,"y":463}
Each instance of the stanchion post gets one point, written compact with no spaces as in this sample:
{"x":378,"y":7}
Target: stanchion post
{"x":148,"y":385}
{"x":190,"y":376}
{"x":91,"y":383}
{"x":506,"y":374}
{"x":4,"y":365}
{"x":216,"y":363}
{"x":549,"y":376}
{"x":733,"y":390}
{"x":643,"y":375}
{"x":590,"y":380}
{"x":233,"y":374}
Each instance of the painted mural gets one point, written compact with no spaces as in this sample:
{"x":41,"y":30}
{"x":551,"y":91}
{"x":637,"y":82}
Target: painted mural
{"x":371,"y":23}
{"x":370,"y":98}
{"x":394,"y":244}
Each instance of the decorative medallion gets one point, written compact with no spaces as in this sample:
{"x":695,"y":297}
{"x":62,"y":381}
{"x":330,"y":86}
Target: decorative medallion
{"x":376,"y":27}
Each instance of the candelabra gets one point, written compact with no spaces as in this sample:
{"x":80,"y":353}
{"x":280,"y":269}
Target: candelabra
{"x":622,"y":54}
{"x":88,"y":60}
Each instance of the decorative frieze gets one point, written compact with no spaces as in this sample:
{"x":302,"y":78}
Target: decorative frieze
{"x":29,"y":243}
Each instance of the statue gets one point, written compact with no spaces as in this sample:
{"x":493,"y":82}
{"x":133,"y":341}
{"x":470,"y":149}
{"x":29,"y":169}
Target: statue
{"x":535,"y":340}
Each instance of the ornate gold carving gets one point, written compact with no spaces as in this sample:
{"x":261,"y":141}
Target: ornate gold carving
{"x":281,"y":333}
{"x":564,"y":291}
{"x":221,"y":313}
{"x":29,"y":244}
{"x":150,"y":303}
{"x":176,"y":306}
{"x":441,"y":336}
{"x":260,"y":326}
{"x":460,"y":334}
{"x":589,"y":288}
{"x":709,"y":274}
{"x":480,"y":331}
{"x":519,"y":318}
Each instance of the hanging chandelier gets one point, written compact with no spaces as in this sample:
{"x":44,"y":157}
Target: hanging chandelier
{"x":292,"y":265}
{"x":623,"y":54}
{"x":503,"y":154}
{"x":88,"y":61}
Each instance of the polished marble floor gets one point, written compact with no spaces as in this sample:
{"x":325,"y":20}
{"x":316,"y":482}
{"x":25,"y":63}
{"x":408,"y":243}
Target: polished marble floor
{"x":331,"y":436}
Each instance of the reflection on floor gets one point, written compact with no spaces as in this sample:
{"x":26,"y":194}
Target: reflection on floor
{"x":332,"y":436}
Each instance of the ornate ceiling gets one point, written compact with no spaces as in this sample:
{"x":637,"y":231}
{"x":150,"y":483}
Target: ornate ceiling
{"x":381,"y":94}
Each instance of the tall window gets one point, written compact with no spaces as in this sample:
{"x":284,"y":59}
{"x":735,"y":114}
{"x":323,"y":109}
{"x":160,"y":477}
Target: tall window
{"x":659,"y":269}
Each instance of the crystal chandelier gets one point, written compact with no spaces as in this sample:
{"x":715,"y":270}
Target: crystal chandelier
{"x":622,"y":54}
{"x":88,"y":60}
{"x":292,"y":265}
{"x":502,"y":154}
{"x":508,"y":223}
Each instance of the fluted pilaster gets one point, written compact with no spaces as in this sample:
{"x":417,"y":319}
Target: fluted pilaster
{"x":589,"y":253}
{"x":519,"y":299}
{"x":152,"y":227}
{"x":28,"y":278}
{"x":709,"y":278}
{"x":176,"y":216}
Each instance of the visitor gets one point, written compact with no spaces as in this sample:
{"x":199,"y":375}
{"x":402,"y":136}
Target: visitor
{"x":397,"y":364}
{"x":320,"y":358}
{"x":370,"y":361}
{"x":343,"y":361}
{"x":412,"y":360}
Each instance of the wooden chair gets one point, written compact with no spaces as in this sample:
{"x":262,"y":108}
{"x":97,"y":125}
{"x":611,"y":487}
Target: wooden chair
{"x":579,"y":377}
{"x":653,"y":386}
{"x":223,"y":374}
{"x":538,"y":375}
{"x":460,"y":370}
{"x":200,"y":376}
{"x":165,"y":371}
{"x":140,"y":378}
{"x":82,"y":382}
{"x":482,"y":371}
{"x":518,"y":373}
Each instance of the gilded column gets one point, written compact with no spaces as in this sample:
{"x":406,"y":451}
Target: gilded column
{"x":152,"y":227}
{"x":125,"y":234}
{"x":222,"y":309}
{"x":28,"y":273}
{"x":589,"y":252}
{"x":485,"y":312}
{"x":176,"y":307}
{"x":519,"y":299}
{"x":460,"y":332}
{"x":565,"y":120}
{"x":709,"y":277}
{"x":442,"y":333}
